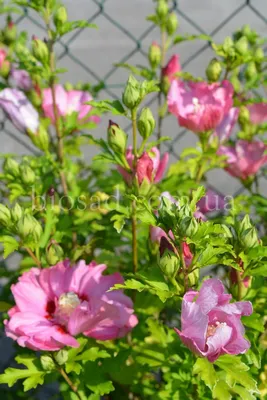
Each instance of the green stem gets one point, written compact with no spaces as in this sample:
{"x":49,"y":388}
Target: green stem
{"x":69,"y":382}
{"x":162,"y":64}
{"x":134,"y":220}
{"x":33,"y":256}
{"x":184,"y":267}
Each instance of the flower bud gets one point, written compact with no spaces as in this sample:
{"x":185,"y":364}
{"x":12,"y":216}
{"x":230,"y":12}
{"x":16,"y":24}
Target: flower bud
{"x":68,"y":86}
{"x":54,"y":253}
{"x":62,"y":356}
{"x":41,"y":139}
{"x":35,"y":98}
{"x":251,"y":71}
{"x":27,"y":174}
{"x":172,"y":24}
{"x":168,"y":261}
{"x":16,"y":212}
{"x":165,"y":85}
{"x":188,"y":226}
{"x":40,"y":51}
{"x":11,"y":167}
{"x":244,"y":116}
{"x":241,"y":226}
{"x":166,"y":213}
{"x":228,"y":44}
{"x":60,"y":16}
{"x":5,"y":215}
{"x":241,"y":45}
{"x":214,"y":70}
{"x":117,"y":138}
{"x":249,"y":238}
{"x":5,"y":69}
{"x":154,"y":55}
{"x":246,"y":30}
{"x":259,"y":55}
{"x":146,"y":123}
{"x":131,"y":95}
{"x":29,"y":228}
{"x":236,"y":83}
{"x":193,"y":278}
{"x":10,"y":32}
{"x":47,"y":362}
{"x":162,"y":9}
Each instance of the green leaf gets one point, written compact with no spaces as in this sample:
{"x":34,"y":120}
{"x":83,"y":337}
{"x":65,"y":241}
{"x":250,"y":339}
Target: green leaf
{"x":206,"y":371}
{"x":196,"y":196}
{"x":181,"y":38}
{"x":96,"y":380}
{"x":210,"y":256}
{"x":70,"y":26}
{"x":10,"y":245}
{"x":142,"y":71}
{"x":113,"y":106}
{"x":33,"y":374}
{"x":4,"y":306}
{"x":254,"y":321}
{"x":221,"y":391}
{"x":119,"y":222}
{"x":243,"y":393}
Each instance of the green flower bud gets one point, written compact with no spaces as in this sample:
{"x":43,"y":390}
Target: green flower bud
{"x":259,"y":55}
{"x":236,"y":83}
{"x":241,"y":45}
{"x":5,"y":215}
{"x":27,"y":174}
{"x":117,"y":138}
{"x":29,"y":228}
{"x":10,"y":32}
{"x":62,"y":357}
{"x":68,"y":86}
{"x":162,"y":9}
{"x":40,"y":51}
{"x":246,"y":30}
{"x":41,"y":139}
{"x":214,"y":70}
{"x":35,"y":98}
{"x":188,"y":226}
{"x":154,"y":55}
{"x":193,"y":278}
{"x":11,"y":167}
{"x":54,"y":253}
{"x":172,"y":24}
{"x":165,"y":85}
{"x":228,"y":44}
{"x":251,"y":71}
{"x":167,"y":213}
{"x":243,"y":225}
{"x":60,"y":16}
{"x":249,"y":238}
{"x":16,"y":212}
{"x":131,"y":95}
{"x":146,"y":123}
{"x":5,"y":69}
{"x":244,"y":116}
{"x":47,"y":362}
{"x":169,"y":263}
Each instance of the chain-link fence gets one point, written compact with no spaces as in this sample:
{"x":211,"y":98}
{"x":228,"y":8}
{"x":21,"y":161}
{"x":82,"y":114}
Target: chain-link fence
{"x":124,"y":37}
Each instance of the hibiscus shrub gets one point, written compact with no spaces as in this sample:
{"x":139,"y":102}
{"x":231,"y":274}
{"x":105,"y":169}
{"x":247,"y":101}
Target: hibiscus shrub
{"x":133,"y":278}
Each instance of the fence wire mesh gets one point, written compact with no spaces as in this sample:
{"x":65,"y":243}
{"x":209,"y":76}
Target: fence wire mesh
{"x":231,"y":15}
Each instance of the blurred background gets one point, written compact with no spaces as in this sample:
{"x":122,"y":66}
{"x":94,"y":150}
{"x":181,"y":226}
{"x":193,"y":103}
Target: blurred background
{"x":124,"y":35}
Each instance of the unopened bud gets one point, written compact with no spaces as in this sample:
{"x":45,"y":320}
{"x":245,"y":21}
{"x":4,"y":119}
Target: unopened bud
{"x":35,"y":98}
{"x":54,"y":253}
{"x":167,"y":213}
{"x":40,"y":50}
{"x":236,"y":83}
{"x":244,"y":116}
{"x":249,"y":238}
{"x":251,"y":71}
{"x":5,"y":215}
{"x":168,"y":261}
{"x":162,"y":9}
{"x":165,"y":85}
{"x":241,"y":45}
{"x":117,"y":138}
{"x":214,"y":70}
{"x":228,"y":44}
{"x":27,"y":174}
{"x":10,"y":32}
{"x":193,"y":278}
{"x":146,"y":123}
{"x":131,"y":95}
{"x":188,"y":226}
{"x":68,"y":86}
{"x":41,"y":139}
{"x":47,"y":362}
{"x":5,"y":69}
{"x":60,"y":16}
{"x":16,"y":212}
{"x":29,"y":228}
{"x":259,"y":55}
{"x":154,"y":55}
{"x":11,"y":167}
{"x":246,"y":30}
{"x":172,"y":24}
